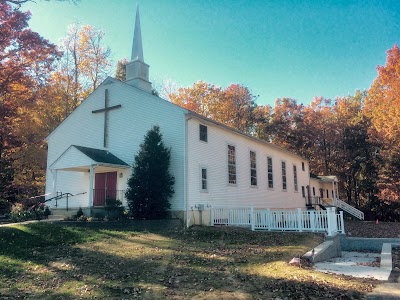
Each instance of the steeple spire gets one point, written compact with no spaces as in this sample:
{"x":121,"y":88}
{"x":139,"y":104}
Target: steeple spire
{"x":137,"y":71}
{"x":137,"y":48}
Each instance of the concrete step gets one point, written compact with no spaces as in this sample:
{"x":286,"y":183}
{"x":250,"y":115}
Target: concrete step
{"x":56,"y":217}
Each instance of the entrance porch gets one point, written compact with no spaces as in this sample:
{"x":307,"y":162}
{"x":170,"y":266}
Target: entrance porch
{"x":87,"y":178}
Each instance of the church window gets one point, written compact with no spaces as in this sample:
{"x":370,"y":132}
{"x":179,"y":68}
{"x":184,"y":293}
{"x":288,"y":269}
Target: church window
{"x":284,"y":183}
{"x":203,"y":179}
{"x":270,"y":175}
{"x":327,"y":193}
{"x":303,"y":168}
{"x":253,"y":168}
{"x":203,"y":133}
{"x":231,"y":164}
{"x":303,"y":191}
{"x":296,"y":187}
{"x":313,"y":191}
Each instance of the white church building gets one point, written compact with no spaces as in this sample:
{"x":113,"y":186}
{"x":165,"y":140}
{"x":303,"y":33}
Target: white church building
{"x":91,"y":152}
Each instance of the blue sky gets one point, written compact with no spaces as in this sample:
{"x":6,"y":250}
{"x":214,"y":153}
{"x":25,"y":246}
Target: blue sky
{"x":278,"y":48}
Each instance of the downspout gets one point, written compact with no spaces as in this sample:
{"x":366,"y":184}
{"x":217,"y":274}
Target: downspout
{"x":185,"y":172}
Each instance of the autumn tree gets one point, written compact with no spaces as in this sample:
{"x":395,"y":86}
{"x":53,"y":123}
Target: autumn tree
{"x":382,"y":106}
{"x":25,"y":61}
{"x":95,"y":55}
{"x":353,"y":152}
{"x":286,"y":122}
{"x":262,"y":126}
{"x":202,"y":98}
{"x":120,"y":72}
{"x":233,"y":106}
{"x":81,"y":69}
{"x":237,"y":108}
{"x":84,"y":64}
{"x":333,"y":136}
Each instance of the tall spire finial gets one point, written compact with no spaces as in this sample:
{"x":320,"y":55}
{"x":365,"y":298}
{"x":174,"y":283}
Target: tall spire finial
{"x":137,"y":71}
{"x":137,"y":48}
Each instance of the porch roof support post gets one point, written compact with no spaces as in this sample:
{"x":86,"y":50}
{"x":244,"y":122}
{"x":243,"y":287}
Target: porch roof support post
{"x":91,"y":176}
{"x":333,"y":191}
{"x":337,"y":190}
{"x":54,"y":183}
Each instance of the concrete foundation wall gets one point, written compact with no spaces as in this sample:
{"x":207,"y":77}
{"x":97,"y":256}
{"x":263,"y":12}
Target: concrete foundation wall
{"x":329,"y":249}
{"x":99,"y":212}
{"x":370,"y":244}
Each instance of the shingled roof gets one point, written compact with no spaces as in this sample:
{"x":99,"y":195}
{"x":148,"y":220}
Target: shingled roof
{"x":101,"y":156}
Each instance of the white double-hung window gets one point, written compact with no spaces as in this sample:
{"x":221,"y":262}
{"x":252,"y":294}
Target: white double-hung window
{"x":231,"y":164}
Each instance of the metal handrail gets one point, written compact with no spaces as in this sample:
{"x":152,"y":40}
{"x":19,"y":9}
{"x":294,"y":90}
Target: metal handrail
{"x":60,"y":195}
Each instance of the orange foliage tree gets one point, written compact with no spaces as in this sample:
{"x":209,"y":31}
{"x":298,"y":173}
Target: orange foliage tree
{"x":25,"y":61}
{"x":233,"y":106}
{"x":382,"y":105}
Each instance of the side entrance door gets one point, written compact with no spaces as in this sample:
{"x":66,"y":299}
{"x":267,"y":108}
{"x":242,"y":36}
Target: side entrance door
{"x":105,"y":185}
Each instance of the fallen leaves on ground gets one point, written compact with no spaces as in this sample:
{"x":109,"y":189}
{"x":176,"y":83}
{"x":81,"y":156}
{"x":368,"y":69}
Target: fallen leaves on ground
{"x":372,"y":229}
{"x":199,"y":263}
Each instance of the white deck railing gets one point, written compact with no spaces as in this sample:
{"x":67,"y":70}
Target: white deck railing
{"x":279,"y":220}
{"x":238,"y":216}
{"x":348,"y":208}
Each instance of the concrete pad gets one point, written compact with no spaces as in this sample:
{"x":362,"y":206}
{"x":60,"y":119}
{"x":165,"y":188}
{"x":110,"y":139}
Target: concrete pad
{"x":356,"y":264}
{"x":386,"y":256}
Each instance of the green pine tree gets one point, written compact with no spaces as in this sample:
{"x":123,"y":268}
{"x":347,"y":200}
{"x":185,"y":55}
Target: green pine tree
{"x":151,"y":184}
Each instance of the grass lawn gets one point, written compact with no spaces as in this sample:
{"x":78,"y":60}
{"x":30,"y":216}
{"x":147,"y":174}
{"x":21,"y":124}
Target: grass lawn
{"x":129,"y":261}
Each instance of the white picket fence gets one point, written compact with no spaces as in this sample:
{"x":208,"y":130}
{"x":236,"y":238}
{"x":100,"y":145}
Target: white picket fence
{"x":280,"y":220}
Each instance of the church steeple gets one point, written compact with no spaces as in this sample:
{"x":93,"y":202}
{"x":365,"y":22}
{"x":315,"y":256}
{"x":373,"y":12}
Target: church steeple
{"x":137,"y":71}
{"x":137,"y":48}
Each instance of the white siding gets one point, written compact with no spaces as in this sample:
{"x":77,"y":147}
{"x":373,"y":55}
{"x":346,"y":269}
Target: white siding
{"x":72,"y":158}
{"x":316,"y":185}
{"x":127,"y":128}
{"x":74,"y":183}
{"x":213,"y":155}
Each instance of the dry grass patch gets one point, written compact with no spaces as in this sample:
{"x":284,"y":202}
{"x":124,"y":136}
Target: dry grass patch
{"x":43,"y":261}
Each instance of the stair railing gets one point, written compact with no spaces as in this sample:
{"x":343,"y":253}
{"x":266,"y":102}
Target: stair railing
{"x":350,"y":209}
{"x":61,"y":195}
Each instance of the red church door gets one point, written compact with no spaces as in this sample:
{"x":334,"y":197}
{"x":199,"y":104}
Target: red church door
{"x":105,"y":185}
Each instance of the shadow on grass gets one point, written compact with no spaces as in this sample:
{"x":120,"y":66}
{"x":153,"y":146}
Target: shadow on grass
{"x":123,"y":260}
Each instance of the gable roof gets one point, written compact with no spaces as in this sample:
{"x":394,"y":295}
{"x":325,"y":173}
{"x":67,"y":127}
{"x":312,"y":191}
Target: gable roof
{"x":111,"y":80}
{"x":101,"y":156}
{"x":79,"y":158}
{"x":108,"y":81}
